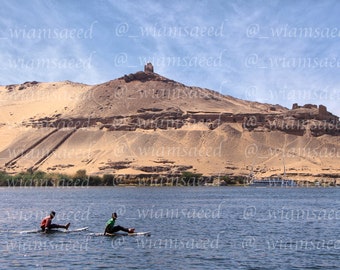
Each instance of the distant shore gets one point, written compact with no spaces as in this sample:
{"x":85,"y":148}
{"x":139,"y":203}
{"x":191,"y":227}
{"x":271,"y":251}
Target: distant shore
{"x":81,"y":179}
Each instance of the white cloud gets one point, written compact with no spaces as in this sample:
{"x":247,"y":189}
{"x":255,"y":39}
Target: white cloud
{"x":181,"y":46}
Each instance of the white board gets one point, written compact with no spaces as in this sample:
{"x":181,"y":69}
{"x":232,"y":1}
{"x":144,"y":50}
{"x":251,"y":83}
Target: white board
{"x":122,"y":234}
{"x":129,"y":234}
{"x":56,"y":231}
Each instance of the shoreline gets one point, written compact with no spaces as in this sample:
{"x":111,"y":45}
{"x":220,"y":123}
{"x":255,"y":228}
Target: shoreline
{"x":81,"y":179}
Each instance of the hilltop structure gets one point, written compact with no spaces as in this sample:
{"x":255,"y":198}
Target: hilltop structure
{"x":148,"y":68}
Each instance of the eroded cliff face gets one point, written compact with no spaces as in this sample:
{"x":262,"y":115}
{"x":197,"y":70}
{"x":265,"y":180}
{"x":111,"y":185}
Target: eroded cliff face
{"x":146,"y":123}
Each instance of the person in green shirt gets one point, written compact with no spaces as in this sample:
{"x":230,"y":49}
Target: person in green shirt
{"x":111,"y":228}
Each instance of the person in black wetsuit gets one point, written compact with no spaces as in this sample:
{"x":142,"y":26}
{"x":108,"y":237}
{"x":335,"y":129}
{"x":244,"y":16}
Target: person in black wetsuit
{"x":111,"y":228}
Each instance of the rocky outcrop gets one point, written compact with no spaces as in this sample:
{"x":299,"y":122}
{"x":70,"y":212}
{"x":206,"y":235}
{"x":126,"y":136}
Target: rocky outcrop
{"x":115,"y":165}
{"x":311,"y":119}
{"x":147,"y":75}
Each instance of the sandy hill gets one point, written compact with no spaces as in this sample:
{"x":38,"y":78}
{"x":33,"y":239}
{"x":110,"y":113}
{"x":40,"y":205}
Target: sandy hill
{"x":144,"y":123}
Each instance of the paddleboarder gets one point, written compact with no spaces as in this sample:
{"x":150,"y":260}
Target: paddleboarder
{"x":46,"y":224}
{"x":111,"y":228}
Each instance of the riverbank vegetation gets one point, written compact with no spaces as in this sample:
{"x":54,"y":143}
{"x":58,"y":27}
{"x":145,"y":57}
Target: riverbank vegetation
{"x":82,"y":179}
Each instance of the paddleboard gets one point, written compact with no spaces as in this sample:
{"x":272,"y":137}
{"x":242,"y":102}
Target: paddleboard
{"x":56,"y":231}
{"x":128,"y":234}
{"x":122,"y":234}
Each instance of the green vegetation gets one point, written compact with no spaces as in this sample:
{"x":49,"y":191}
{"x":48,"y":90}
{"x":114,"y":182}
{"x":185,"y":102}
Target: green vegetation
{"x":81,"y":179}
{"x":231,"y":181}
{"x":34,"y":179}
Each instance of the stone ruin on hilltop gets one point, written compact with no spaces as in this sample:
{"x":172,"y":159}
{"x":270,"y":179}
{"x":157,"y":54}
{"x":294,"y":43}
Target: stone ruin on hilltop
{"x":148,"y":68}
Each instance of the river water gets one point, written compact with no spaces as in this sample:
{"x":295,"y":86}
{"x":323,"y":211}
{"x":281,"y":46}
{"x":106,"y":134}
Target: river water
{"x":191,"y":228}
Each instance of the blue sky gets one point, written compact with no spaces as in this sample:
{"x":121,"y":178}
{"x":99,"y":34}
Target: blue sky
{"x":277,"y":52}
